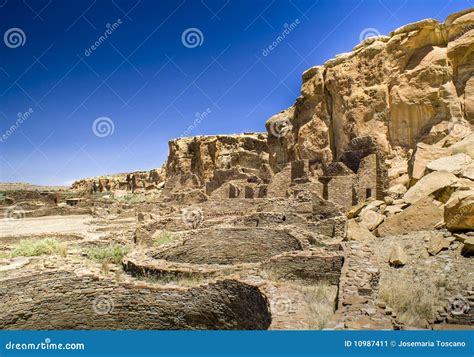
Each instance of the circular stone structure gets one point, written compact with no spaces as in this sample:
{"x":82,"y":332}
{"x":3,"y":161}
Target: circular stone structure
{"x":230,"y":246}
{"x":64,"y":300}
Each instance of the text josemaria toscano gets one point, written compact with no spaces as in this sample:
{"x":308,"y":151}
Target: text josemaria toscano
{"x":432,"y":344}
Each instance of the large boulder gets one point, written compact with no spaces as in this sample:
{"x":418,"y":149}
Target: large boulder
{"x":459,"y":211}
{"x":356,"y":231}
{"x":468,"y":172}
{"x":437,"y":243}
{"x":454,"y":164}
{"x":465,"y":146}
{"x":428,"y":185}
{"x":423,"y":155}
{"x":423,"y":215}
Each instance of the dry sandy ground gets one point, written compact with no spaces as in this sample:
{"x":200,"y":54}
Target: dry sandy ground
{"x":80,"y":224}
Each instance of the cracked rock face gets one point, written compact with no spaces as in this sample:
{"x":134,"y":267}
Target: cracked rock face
{"x":412,"y":86}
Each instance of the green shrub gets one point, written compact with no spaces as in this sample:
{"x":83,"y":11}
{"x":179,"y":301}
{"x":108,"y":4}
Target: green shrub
{"x":31,"y":248}
{"x":165,"y":237}
{"x":132,"y":198}
{"x":110,"y":254}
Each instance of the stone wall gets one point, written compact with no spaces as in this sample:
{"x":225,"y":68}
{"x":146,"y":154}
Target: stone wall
{"x":64,"y":300}
{"x":210,"y":161}
{"x":230,"y":246}
{"x":311,"y":266}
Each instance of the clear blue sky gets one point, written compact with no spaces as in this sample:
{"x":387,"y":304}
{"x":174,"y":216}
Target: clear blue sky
{"x":150,"y":85}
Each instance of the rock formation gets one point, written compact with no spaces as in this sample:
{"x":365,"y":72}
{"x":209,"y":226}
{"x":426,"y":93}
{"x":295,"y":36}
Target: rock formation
{"x":368,"y":173}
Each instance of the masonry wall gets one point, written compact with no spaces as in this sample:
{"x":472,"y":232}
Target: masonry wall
{"x":367,"y":178}
{"x":63,"y":300}
{"x":307,"y":266}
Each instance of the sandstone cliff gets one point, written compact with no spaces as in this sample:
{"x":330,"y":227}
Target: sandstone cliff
{"x":366,"y":126}
{"x":414,"y":85}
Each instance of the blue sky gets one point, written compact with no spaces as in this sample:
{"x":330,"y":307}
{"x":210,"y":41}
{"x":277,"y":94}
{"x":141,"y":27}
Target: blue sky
{"x":149,"y":83}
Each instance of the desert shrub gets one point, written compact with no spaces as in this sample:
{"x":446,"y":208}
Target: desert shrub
{"x":31,"y":248}
{"x":165,"y":237}
{"x":413,"y":302}
{"x":109,"y":254}
{"x":101,"y":194}
{"x":132,"y":198}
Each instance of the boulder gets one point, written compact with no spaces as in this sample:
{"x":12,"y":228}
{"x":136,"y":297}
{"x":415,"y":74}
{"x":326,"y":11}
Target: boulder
{"x":468,"y":247}
{"x":454,"y":164}
{"x":437,"y":243}
{"x":397,"y":171}
{"x":428,"y":185}
{"x":397,"y":257}
{"x":370,"y":219}
{"x":459,"y":211}
{"x":356,"y":231}
{"x":423,"y":215}
{"x":392,"y":210}
{"x":468,"y":172}
{"x":396,"y":191}
{"x":423,"y":155}
{"x":403,"y":180}
{"x":465,"y":146}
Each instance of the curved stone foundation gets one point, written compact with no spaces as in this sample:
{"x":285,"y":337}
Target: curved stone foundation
{"x":230,"y":246}
{"x":64,"y":300}
{"x":142,"y":264}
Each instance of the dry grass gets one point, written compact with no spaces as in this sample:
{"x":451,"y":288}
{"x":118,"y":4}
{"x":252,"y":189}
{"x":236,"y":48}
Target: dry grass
{"x":132,"y":198}
{"x":4,"y":255}
{"x":175,"y":280}
{"x":165,"y":237}
{"x":413,"y":302}
{"x":31,"y":248}
{"x":320,"y":298}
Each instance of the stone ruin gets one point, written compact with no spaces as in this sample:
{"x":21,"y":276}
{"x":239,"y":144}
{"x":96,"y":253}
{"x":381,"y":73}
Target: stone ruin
{"x":234,"y":230}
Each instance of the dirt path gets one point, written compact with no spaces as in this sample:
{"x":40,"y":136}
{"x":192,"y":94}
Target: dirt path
{"x":80,"y":224}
